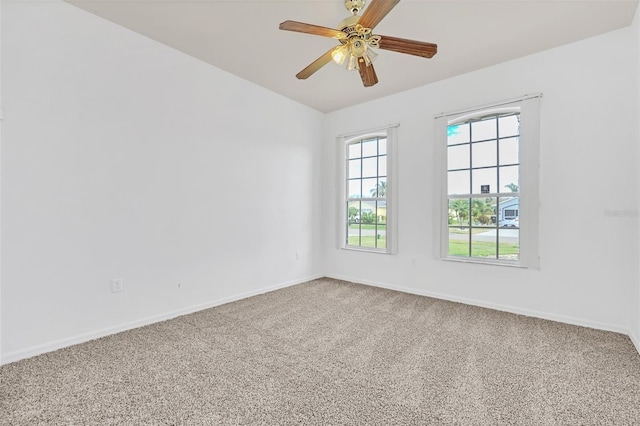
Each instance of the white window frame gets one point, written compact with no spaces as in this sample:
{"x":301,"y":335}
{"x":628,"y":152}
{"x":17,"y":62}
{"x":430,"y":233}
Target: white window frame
{"x":529,"y":186}
{"x":391,"y":134}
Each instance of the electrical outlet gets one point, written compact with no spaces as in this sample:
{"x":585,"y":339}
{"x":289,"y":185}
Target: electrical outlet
{"x":413,"y":261}
{"x":179,"y":285}
{"x":116,"y":285}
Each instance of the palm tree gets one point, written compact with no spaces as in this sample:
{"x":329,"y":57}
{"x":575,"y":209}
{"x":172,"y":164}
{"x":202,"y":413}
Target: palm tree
{"x":482,"y":211}
{"x":461,"y":208}
{"x":380,"y":190}
{"x":353,"y":213}
{"x":512,"y":186}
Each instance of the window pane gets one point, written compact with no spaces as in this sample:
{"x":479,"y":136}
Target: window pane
{"x":382,"y":214}
{"x":482,"y":178}
{"x":370,"y":167}
{"x":367,"y":179}
{"x":382,"y":165}
{"x":354,"y":168}
{"x":382,"y":146}
{"x":381,"y":188}
{"x":353,"y":213}
{"x":369,"y":188}
{"x":368,"y":212}
{"x":459,"y":212}
{"x":483,"y":130}
{"x":457,"y":133}
{"x":354,"y":189}
{"x":484,"y":154}
{"x":354,"y":150}
{"x":367,"y":238}
{"x":483,"y":158}
{"x":370,"y":148}
{"x":458,"y":241}
{"x":508,"y":212}
{"x":509,"y":126}
{"x":381,"y":227}
{"x":509,"y":244}
{"x":483,"y":212}
{"x":509,"y":151}
{"x":353,"y":238}
{"x":509,"y":178}
{"x":458,"y":157}
{"x":458,"y":182}
{"x":483,"y":244}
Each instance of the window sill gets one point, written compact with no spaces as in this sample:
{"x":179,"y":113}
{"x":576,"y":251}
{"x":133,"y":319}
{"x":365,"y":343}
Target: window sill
{"x":507,"y":263}
{"x":366,"y":250}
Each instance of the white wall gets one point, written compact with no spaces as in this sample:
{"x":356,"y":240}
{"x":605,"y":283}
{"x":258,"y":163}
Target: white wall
{"x":1,"y":362}
{"x":635,"y":296}
{"x":123,"y":158}
{"x":589,"y":162}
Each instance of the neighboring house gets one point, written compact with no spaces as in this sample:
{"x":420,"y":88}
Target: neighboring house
{"x":370,"y":207}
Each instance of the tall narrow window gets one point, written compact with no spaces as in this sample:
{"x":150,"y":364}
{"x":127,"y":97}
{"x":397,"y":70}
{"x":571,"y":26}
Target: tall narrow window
{"x":366,"y":211}
{"x":489,"y":184}
{"x":482,"y":190}
{"x":367,"y":193}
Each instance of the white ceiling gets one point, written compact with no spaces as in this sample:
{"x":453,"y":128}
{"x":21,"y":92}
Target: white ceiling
{"x":242,"y":37}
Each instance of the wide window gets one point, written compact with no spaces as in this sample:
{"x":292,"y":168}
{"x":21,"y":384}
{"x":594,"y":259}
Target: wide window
{"x":488,"y":184}
{"x":366,"y":208}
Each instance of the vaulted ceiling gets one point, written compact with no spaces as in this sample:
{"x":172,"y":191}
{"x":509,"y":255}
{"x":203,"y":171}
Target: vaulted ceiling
{"x":242,"y":37}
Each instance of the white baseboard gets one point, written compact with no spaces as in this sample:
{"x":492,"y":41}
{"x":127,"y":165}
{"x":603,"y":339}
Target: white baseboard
{"x":635,"y":340}
{"x":498,"y":307}
{"x":85,"y":337}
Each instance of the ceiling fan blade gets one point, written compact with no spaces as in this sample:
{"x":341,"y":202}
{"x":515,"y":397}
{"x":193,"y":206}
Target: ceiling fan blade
{"x":375,"y":12}
{"x":301,"y":27}
{"x":367,"y":73}
{"x":315,"y":65}
{"x":410,"y":47}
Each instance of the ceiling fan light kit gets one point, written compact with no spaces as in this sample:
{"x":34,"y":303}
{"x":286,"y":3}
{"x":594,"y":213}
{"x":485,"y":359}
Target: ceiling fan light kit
{"x":357,"y":40}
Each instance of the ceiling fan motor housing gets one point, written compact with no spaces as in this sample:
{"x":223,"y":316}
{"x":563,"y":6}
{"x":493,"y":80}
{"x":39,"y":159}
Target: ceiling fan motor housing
{"x":354,"y":6}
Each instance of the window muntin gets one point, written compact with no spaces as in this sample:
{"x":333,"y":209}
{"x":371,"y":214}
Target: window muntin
{"x":482,"y":181}
{"x":366,"y":190}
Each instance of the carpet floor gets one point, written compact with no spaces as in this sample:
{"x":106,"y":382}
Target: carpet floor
{"x":331,"y":352}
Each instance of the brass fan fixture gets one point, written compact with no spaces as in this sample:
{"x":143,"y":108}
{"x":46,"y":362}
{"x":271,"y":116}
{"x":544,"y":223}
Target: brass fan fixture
{"x":357,"y":40}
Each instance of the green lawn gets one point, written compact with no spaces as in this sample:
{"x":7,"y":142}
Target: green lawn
{"x":368,"y":241}
{"x":481,"y":248}
{"x":356,"y":226}
{"x":453,"y":230}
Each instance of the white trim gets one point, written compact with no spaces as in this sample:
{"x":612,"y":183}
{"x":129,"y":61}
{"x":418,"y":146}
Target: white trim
{"x":489,"y":105}
{"x":392,"y":190}
{"x":530,"y":183}
{"x":529,"y":109}
{"x":85,"y":337}
{"x":582,"y":322}
{"x":363,"y":133}
{"x":440,"y":204}
{"x":494,"y":262}
{"x":391,"y":134}
{"x":1,"y":132}
{"x":635,"y":340}
{"x":341,"y":230}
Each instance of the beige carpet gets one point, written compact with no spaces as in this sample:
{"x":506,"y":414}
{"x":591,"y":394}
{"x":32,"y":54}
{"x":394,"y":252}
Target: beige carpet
{"x":331,"y":352}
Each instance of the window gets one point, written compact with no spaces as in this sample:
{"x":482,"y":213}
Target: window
{"x":510,"y":214}
{"x":366,"y":209}
{"x":488,"y":176}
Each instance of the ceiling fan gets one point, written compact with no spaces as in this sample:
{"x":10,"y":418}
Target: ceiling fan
{"x":357,"y":40}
